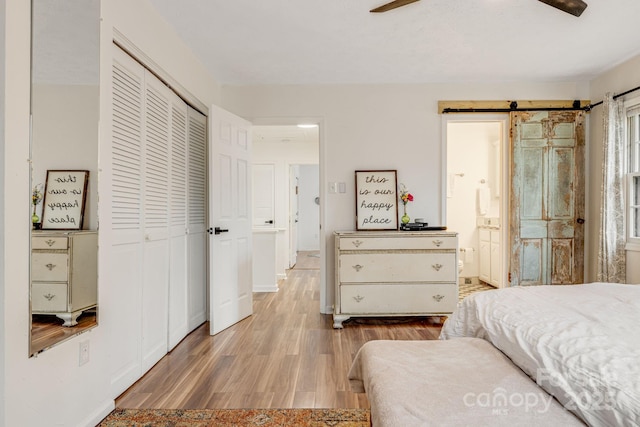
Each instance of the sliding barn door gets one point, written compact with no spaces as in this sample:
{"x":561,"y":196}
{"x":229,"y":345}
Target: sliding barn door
{"x":547,"y":198}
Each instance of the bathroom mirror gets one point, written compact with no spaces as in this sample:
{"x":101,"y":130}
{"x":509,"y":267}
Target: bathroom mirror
{"x":65,"y":68}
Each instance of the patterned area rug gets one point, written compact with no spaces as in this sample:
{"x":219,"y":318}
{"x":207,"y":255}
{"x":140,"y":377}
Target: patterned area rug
{"x":237,"y":418}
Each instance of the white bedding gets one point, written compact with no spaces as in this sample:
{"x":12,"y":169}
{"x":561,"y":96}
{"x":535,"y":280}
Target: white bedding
{"x":581,"y":343}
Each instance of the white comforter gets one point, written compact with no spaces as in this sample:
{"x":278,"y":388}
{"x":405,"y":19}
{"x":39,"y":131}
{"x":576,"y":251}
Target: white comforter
{"x":581,"y":343}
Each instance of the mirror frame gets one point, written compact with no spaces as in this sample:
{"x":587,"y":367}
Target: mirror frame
{"x":75,"y":67}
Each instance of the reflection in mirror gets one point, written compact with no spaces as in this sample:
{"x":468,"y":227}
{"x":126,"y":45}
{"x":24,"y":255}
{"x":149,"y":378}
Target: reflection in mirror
{"x":64,"y":137}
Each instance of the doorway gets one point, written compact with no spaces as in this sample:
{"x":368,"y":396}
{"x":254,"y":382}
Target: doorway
{"x":292,"y":153}
{"x":476,"y":201}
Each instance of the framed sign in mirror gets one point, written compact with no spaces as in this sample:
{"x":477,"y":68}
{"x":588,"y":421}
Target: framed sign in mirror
{"x":376,"y":200}
{"x":65,"y":195}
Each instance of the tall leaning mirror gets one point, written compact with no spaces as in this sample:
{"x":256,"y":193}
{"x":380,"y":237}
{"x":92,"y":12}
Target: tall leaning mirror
{"x":64,"y":170}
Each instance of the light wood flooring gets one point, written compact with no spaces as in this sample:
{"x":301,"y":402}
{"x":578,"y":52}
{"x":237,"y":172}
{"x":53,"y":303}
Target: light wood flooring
{"x":47,"y":330}
{"x":286,"y":355}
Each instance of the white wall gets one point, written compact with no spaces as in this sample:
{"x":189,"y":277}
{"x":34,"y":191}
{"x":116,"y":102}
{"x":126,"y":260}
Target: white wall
{"x":619,"y":79}
{"x":65,"y":135}
{"x":378,"y":127}
{"x":51,"y":389}
{"x":309,"y":211}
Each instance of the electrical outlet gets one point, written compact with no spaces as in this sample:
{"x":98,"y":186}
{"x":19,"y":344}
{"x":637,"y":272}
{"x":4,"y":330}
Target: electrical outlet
{"x":467,"y":280}
{"x":84,"y":352}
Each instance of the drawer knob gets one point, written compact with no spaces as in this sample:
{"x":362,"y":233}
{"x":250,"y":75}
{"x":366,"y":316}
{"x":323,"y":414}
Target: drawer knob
{"x":50,"y":266}
{"x":50,"y":242}
{"x":357,"y":243}
{"x":438,"y":297}
{"x":49,"y":296}
{"x":358,"y":267}
{"x":438,"y":242}
{"x":437,"y":267}
{"x":358,"y":298}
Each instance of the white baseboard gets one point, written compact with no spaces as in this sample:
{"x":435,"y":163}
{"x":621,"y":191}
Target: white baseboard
{"x":281,"y":276}
{"x":265,"y":288}
{"x":95,"y":418}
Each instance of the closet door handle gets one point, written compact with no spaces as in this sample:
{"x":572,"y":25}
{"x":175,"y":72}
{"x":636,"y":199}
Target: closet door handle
{"x":217,"y":230}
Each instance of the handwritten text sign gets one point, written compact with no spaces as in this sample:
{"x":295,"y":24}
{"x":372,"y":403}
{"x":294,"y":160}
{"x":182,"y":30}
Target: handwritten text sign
{"x":64,"y":199}
{"x":376,"y":200}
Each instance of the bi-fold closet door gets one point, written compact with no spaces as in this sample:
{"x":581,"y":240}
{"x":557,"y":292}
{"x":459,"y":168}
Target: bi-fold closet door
{"x":158,"y":183}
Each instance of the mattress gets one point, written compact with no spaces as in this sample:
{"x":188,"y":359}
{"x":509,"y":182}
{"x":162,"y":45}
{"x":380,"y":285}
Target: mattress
{"x":580,"y":343}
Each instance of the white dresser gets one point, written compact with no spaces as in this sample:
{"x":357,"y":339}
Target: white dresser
{"x":395,"y":273}
{"x":64,"y":279}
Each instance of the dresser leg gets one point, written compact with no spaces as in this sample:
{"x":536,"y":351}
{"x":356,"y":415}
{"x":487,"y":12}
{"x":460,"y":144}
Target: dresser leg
{"x":338,"y":319}
{"x":70,"y":319}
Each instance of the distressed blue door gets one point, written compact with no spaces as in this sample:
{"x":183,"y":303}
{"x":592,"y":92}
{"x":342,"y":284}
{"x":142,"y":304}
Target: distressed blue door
{"x":547,"y":198}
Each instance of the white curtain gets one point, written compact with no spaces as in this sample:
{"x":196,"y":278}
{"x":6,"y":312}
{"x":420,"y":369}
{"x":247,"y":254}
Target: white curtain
{"x":611,"y":252}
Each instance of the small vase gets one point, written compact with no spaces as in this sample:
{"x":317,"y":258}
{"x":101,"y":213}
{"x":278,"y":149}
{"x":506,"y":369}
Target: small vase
{"x":405,"y":218}
{"x":34,"y":218}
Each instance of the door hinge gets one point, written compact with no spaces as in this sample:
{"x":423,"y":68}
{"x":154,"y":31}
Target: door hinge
{"x":509,"y":277}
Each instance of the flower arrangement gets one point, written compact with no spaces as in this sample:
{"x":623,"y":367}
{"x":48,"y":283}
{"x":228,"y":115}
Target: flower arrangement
{"x":36,"y":198}
{"x":405,"y":196}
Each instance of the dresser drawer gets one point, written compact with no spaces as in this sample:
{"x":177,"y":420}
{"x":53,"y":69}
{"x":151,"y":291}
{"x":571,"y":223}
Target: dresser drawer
{"x":49,"y":242}
{"x":398,"y":267}
{"x":404,"y":242}
{"x":400,"y":299}
{"x":49,"y":297}
{"x":49,"y":267}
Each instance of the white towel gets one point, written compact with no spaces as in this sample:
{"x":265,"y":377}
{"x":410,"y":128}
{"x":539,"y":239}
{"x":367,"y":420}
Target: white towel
{"x":468,"y":255}
{"x":484,"y":194}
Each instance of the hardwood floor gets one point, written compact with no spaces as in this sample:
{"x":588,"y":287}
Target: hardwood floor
{"x":47,"y":330}
{"x":286,"y":355}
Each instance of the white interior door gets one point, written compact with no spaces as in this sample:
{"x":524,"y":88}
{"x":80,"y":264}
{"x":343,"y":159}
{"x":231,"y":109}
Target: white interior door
{"x":294,"y":177}
{"x":230,"y":260}
{"x":197,"y":218}
{"x":178,"y":279}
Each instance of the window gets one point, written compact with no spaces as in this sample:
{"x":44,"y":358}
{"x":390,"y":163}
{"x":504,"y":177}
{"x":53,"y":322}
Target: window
{"x":632,"y":132}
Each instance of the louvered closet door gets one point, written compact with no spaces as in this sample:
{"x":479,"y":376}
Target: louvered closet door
{"x":155,"y":286}
{"x":178,"y":293}
{"x":126,"y":254}
{"x":197,"y":217}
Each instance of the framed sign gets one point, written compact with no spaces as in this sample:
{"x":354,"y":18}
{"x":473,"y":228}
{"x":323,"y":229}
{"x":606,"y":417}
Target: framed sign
{"x":376,"y":200}
{"x":65,"y":194}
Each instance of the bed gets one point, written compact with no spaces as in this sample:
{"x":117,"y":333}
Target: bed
{"x":578,"y":343}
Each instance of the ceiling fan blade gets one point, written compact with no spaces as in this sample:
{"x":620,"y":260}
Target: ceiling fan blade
{"x":392,"y":5}
{"x":574,"y":7}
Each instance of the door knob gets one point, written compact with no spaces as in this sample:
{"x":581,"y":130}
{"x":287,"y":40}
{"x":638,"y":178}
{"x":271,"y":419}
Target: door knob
{"x":217,"y":230}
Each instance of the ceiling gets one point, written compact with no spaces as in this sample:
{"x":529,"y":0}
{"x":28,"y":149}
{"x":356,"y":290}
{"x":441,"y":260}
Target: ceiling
{"x":339,"y":41}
